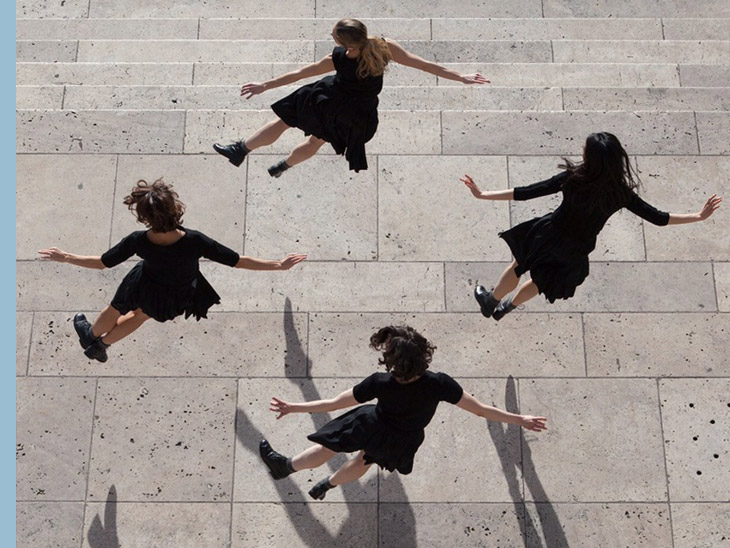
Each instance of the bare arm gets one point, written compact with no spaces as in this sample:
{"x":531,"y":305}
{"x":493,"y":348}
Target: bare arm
{"x":60,"y":256}
{"x":712,"y":203}
{"x":487,"y":194}
{"x":345,"y":399}
{"x":322,"y":66}
{"x":471,"y":404}
{"x":400,"y":55}
{"x":254,"y":263}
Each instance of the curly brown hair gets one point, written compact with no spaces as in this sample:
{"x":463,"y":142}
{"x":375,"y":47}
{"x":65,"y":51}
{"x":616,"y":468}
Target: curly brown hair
{"x":406,"y":353}
{"x":156,"y":205}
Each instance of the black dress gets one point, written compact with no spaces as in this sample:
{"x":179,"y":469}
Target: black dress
{"x":390,"y":432}
{"x":167,"y":282}
{"x":555,"y":247}
{"x":341,"y":109}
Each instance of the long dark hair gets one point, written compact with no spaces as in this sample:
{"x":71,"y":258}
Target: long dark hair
{"x":604,"y":179}
{"x":406,"y":353}
{"x":156,"y":205}
{"x":374,"y":52}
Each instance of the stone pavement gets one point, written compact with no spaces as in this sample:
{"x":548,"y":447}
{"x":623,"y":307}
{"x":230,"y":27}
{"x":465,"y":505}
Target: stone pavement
{"x":157,"y":447}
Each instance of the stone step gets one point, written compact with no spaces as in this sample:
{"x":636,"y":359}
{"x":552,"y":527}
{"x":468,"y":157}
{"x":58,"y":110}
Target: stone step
{"x":400,"y":132}
{"x":397,"y":29}
{"x":391,"y":98}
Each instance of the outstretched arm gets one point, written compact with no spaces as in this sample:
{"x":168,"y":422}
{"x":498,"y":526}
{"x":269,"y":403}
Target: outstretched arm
{"x":487,"y":194}
{"x":253,"y":263}
{"x":400,"y":55}
{"x":471,"y":404}
{"x":712,"y":203}
{"x":345,"y":399}
{"x":322,"y":66}
{"x":60,"y":256}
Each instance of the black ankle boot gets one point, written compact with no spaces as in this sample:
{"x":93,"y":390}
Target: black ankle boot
{"x":487,"y":301}
{"x":235,"y":152}
{"x":97,"y":351}
{"x":319,"y":491}
{"x":505,"y":307}
{"x":279,"y":466}
{"x":83,"y":330}
{"x":277,"y":169}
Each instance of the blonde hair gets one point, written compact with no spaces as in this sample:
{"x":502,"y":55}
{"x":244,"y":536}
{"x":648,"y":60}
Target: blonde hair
{"x":374,"y":52}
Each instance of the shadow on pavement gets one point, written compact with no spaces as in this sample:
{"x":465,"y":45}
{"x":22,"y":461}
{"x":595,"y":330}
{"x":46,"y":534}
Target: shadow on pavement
{"x":104,"y":535}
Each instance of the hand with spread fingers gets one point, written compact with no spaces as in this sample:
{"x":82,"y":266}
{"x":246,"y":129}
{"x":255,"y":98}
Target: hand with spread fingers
{"x":474,"y":79}
{"x":536,"y":424}
{"x":251,"y":89}
{"x":713,"y":202}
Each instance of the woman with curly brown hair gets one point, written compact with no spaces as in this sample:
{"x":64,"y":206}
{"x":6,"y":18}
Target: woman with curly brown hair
{"x":389,"y":433}
{"x":167,"y":282}
{"x":341,"y":109}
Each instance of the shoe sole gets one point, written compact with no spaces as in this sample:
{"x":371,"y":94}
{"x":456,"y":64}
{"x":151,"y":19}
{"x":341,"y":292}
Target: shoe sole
{"x":80,"y":332}
{"x":96,"y":358}
{"x":235,"y":162}
{"x":485,"y":313}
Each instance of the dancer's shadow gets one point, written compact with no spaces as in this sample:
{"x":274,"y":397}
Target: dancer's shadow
{"x":553,"y":535}
{"x":310,"y":530}
{"x":104,"y":535}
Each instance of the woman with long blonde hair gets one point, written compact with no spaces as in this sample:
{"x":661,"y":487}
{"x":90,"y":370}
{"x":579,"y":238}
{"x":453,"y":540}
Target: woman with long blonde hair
{"x":340,"y":109}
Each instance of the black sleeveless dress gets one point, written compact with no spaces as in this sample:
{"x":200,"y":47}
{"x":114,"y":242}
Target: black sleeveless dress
{"x":341,"y":109}
{"x":390,"y":432}
{"x":554,"y":248}
{"x":168,"y":281}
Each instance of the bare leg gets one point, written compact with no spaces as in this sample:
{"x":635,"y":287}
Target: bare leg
{"x":507,"y":281}
{"x":527,"y":291}
{"x":105,"y":321}
{"x":303,"y":151}
{"x":125,"y":325}
{"x":351,"y":470}
{"x":311,"y":458}
{"x":266,"y":135}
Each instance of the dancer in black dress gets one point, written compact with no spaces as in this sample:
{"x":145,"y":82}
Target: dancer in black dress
{"x":555,"y":248}
{"x":390,"y":432}
{"x":167,"y":282}
{"x":341,"y":109}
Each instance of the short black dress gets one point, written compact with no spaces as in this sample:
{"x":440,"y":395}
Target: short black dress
{"x":341,"y":109}
{"x":391,"y":431}
{"x":167,"y":282}
{"x":554,"y":248}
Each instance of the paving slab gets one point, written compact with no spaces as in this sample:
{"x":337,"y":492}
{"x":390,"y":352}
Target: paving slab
{"x":709,"y":76}
{"x":641,"y":51}
{"x":23,"y":332}
{"x":614,"y":452}
{"x":434,"y":8}
{"x":621,"y":238}
{"x":682,"y":184}
{"x":52,"y":448}
{"x":156,"y":525}
{"x":468,"y":345}
{"x":144,"y":9}
{"x":99,"y":131}
{"x":49,"y":524}
{"x":104,"y":73}
{"x":107,"y":29}
{"x":449,"y":524}
{"x":43,"y":97}
{"x":598,"y":524}
{"x":610,"y":287}
{"x":85,"y":183}
{"x":46,"y":8}
{"x":712,"y":132}
{"x":632,"y":8}
{"x":408,"y":189}
{"x":657,"y":345}
{"x":304,"y":525}
{"x":224,"y":345}
{"x":163,"y":440}
{"x":223,"y":74}
{"x":695,"y":418}
{"x":656,"y":98}
{"x":700,"y":525}
{"x":287,"y":214}
{"x":49,"y":51}
{"x":692,"y":29}
{"x":721,"y":273}
{"x":254,"y":422}
{"x":539,"y":133}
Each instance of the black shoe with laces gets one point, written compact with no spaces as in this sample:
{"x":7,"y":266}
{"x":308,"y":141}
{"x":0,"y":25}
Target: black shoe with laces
{"x":319,"y":491}
{"x":505,"y":307}
{"x":235,"y":152}
{"x":83,"y":330}
{"x":276,"y":462}
{"x":97,"y":351}
{"x":487,"y":301}
{"x":277,"y":169}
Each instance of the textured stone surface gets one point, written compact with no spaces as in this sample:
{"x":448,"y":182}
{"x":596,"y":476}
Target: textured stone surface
{"x":45,"y":97}
{"x":658,"y":99}
{"x":695,"y":415}
{"x":434,"y":8}
{"x":714,"y":76}
{"x":23,"y":327}
{"x":712,"y":131}
{"x":642,"y":51}
{"x":47,"y":9}
{"x":721,"y":273}
{"x":104,"y":74}
{"x":192,"y":8}
{"x":49,"y":51}
{"x":692,"y":29}
{"x":108,"y":29}
{"x":48,"y":524}
{"x":632,"y":8}
{"x":700,"y":525}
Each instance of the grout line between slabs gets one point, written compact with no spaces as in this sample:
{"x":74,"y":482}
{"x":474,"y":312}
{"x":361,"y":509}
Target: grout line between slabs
{"x":585,"y":346}
{"x":245,"y":205}
{"x":714,"y":286}
{"x":184,"y":131}
{"x":88,"y":468}
{"x":661,"y":21}
{"x":30,"y":344}
{"x":114,"y":199}
{"x":664,"y":454}
{"x":233,"y":472}
{"x":197,"y":37}
{"x":307,"y":359}
{"x":88,"y":10}
{"x":697,"y":134}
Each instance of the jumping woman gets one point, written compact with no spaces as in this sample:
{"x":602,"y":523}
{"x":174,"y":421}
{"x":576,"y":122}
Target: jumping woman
{"x":555,"y":248}
{"x":341,"y":109}
{"x":390,"y":432}
{"x":167,"y":282}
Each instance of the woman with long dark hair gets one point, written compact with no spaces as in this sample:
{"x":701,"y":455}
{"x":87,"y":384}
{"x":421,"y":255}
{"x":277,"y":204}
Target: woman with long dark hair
{"x":555,"y":248}
{"x":341,"y":109}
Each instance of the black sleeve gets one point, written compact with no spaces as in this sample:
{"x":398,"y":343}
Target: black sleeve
{"x":543,"y":188}
{"x":337,"y":53}
{"x":648,"y":212}
{"x":210,"y":249}
{"x":366,"y":389}
{"x":450,"y":390}
{"x":122,"y":251}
